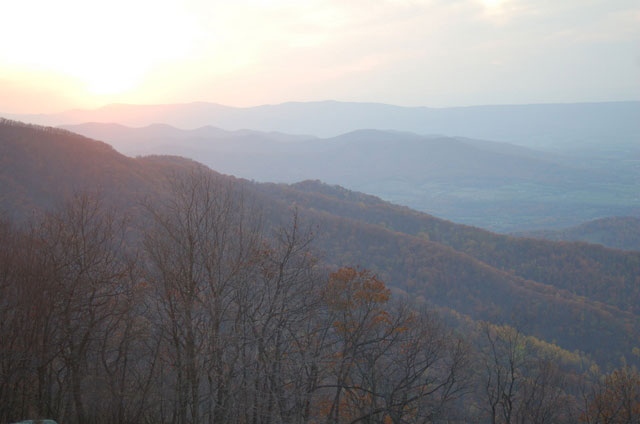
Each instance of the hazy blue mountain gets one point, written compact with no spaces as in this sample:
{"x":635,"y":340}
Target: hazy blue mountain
{"x":490,"y":184}
{"x":163,"y":138}
{"x":548,"y":126}
{"x":620,"y":232}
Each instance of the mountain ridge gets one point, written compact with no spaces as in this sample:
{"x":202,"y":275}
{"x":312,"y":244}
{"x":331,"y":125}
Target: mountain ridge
{"x":619,"y":232}
{"x":491,"y":184}
{"x":441,"y":263}
{"x":530,"y":124}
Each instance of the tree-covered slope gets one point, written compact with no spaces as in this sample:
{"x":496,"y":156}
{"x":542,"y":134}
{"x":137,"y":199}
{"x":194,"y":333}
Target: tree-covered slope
{"x":578,"y":295}
{"x":619,"y":232}
{"x":593,"y":271}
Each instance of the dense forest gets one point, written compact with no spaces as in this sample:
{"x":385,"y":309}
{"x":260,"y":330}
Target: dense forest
{"x":620,"y":232}
{"x":156,"y":290}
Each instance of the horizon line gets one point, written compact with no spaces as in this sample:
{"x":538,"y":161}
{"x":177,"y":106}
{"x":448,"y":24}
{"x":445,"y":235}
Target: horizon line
{"x":213,"y":103}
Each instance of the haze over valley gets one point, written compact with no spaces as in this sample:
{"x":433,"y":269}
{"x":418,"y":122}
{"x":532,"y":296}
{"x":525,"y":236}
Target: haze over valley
{"x":555,"y":172}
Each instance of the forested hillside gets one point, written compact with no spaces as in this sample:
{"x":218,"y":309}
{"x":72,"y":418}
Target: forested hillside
{"x":575,"y":294}
{"x":620,"y":232}
{"x":197,"y":295}
{"x":587,"y":270}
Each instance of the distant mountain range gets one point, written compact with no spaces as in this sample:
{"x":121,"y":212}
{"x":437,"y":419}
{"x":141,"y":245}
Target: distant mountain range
{"x":583,"y":297}
{"x":552,"y":126}
{"x":494,"y":185}
{"x":616,"y":232}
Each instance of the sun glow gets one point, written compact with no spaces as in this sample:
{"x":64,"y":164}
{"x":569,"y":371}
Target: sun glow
{"x":108,"y":72}
{"x":109,"y":51}
{"x":64,"y":54}
{"x":492,"y":3}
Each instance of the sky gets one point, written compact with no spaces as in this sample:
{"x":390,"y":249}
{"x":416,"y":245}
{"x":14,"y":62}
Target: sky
{"x":64,"y":54}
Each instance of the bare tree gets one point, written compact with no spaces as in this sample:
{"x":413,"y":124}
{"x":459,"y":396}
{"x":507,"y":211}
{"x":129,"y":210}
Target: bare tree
{"x":17,"y":330}
{"x":210,"y":319}
{"x":83,"y":244}
{"x":200,"y":245}
{"x":279,"y":346}
{"x":519,"y":385}
{"x":386,"y":362}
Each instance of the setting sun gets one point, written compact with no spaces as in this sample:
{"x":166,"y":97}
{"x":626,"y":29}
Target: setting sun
{"x":110,"y":51}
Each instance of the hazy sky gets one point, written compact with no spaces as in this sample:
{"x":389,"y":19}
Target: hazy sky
{"x":61,"y":54}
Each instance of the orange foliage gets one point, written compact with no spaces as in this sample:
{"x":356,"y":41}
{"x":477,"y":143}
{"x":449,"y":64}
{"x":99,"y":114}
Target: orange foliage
{"x":617,"y":401}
